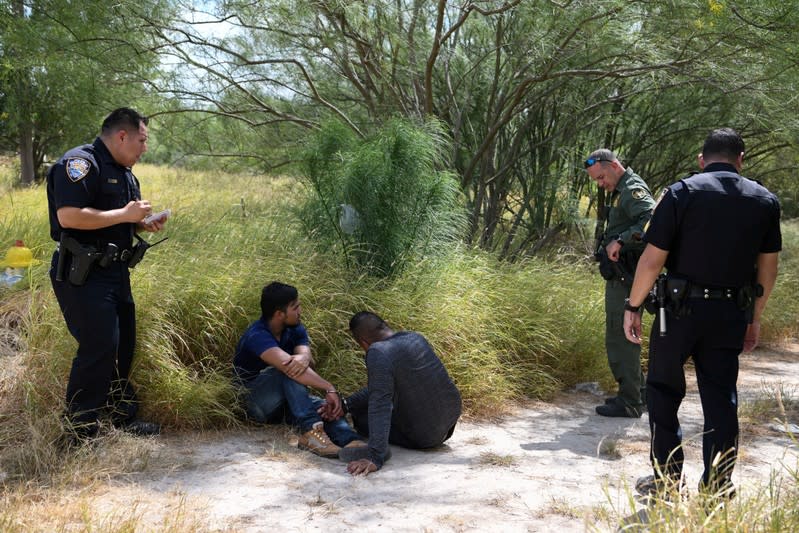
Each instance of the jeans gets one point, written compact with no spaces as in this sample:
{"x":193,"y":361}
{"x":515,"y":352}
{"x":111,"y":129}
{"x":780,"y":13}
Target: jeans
{"x":273,"y":397}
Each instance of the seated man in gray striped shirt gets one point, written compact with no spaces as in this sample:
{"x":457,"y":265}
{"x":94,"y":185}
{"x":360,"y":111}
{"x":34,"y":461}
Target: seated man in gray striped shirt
{"x":409,"y":399}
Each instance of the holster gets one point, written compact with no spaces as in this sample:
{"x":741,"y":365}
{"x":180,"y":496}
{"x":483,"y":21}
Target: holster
{"x":82,"y":258}
{"x":606,"y":269}
{"x":613,"y":270}
{"x":677,"y":290}
{"x":746,"y":299}
{"x":656,"y":299}
{"x":629,"y":255}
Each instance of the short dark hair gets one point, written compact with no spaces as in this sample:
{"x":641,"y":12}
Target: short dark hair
{"x":276,"y":297}
{"x":367,"y":326}
{"x":123,"y":118}
{"x":602,"y":154}
{"x":723,"y":143}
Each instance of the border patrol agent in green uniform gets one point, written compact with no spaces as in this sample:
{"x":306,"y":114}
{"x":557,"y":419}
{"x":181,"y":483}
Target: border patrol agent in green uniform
{"x":631,"y":206}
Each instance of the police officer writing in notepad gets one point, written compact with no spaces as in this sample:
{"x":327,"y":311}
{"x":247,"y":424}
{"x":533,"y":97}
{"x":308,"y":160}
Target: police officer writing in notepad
{"x":95,"y":209}
{"x":718,"y":235}
{"x":630,"y":204}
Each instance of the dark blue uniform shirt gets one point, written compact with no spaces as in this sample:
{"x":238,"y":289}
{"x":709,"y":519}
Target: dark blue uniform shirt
{"x":714,"y":225}
{"x":88,"y":176}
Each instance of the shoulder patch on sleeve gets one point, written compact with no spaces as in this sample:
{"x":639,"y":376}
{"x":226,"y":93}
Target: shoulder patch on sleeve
{"x":657,"y":202}
{"x":77,"y":168}
{"x":660,"y":197}
{"x":638,"y":194}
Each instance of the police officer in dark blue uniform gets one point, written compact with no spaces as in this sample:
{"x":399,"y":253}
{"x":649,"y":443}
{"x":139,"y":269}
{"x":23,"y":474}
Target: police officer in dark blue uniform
{"x":95,"y":209}
{"x":718,"y":235}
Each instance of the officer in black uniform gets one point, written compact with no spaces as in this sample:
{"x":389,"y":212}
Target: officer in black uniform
{"x":95,"y":208}
{"x":718,"y":235}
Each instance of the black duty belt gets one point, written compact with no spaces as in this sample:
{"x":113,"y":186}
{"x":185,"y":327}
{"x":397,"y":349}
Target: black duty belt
{"x":121,"y":256}
{"x":713,"y":294}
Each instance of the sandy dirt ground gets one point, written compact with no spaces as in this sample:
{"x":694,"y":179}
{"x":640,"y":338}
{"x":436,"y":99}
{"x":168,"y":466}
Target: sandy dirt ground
{"x":549,"y":467}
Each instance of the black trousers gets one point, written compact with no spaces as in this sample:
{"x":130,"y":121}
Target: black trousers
{"x":712,"y":334}
{"x":101,"y":315}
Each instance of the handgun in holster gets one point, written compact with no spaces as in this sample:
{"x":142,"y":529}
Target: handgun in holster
{"x":82,"y":257}
{"x":140,"y":249}
{"x":747,"y":295}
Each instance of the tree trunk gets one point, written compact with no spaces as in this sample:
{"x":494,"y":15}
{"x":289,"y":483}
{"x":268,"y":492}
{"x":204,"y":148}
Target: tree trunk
{"x":27,"y":168}
{"x":27,"y":173}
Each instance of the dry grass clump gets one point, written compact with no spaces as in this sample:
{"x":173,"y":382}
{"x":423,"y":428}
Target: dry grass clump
{"x":40,"y":510}
{"x":768,"y":508}
{"x":774,"y":404}
{"x":497,"y":460}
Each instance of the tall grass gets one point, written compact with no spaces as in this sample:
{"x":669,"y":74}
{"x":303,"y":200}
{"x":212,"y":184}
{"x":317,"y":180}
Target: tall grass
{"x":781,"y":317}
{"x":770,"y":507}
{"x":504,"y":331}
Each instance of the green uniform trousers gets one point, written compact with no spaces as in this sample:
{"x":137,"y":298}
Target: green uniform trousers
{"x":624,"y":357}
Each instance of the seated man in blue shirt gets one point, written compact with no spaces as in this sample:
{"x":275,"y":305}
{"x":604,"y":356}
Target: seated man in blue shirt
{"x":409,"y":399}
{"x":272,"y":365}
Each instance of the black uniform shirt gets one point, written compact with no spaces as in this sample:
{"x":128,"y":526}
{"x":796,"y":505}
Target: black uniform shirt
{"x":714,"y":225}
{"x":88,"y":176}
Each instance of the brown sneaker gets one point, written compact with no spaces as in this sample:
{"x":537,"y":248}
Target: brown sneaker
{"x":356,"y":444}
{"x":316,"y":441}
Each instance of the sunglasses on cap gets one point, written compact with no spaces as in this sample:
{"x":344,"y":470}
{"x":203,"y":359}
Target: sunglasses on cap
{"x":591,"y":161}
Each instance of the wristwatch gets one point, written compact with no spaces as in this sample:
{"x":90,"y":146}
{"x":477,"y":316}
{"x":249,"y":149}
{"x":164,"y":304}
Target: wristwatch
{"x":628,"y":307}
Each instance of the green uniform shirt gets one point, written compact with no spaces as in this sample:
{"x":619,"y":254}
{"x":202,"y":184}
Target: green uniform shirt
{"x":631,"y":206}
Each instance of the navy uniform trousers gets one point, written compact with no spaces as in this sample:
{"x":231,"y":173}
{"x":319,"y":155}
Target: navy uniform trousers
{"x":100,"y":314}
{"x":712,"y":334}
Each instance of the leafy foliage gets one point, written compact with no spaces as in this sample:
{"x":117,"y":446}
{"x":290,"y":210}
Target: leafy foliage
{"x":383,"y":199}
{"x":523,"y":90}
{"x":64,"y":66}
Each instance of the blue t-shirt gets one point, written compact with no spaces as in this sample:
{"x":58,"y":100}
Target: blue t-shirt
{"x":247,"y":362}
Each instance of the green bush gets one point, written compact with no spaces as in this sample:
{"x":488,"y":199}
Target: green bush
{"x":383,"y":202}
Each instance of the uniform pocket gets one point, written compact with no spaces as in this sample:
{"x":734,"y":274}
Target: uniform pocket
{"x":113,"y":192}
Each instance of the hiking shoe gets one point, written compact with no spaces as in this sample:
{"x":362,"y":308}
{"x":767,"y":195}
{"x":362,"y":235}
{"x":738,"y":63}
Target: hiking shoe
{"x":658,"y":488}
{"x":719,"y":491}
{"x":648,"y":485}
{"x":356,"y":444}
{"x":617,"y":409}
{"x":316,"y":441}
